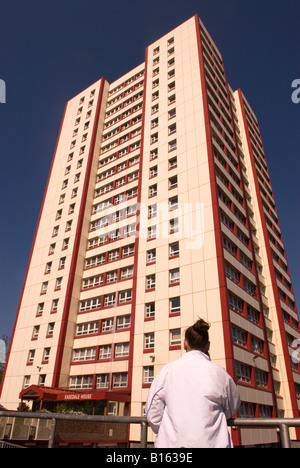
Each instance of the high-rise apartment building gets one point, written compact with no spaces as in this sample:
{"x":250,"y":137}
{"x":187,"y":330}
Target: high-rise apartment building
{"x":158,"y":210}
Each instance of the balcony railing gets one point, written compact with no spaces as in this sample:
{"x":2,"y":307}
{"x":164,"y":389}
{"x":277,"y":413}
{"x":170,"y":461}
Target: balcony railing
{"x":268,"y":423}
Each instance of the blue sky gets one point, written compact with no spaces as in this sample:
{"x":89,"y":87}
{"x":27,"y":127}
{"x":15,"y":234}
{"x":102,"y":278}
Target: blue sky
{"x":50,"y":50}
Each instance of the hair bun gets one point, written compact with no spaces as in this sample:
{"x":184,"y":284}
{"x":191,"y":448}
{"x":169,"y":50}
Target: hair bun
{"x":201,"y":326}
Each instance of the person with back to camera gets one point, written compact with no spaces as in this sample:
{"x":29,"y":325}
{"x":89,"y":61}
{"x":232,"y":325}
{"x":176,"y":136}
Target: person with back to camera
{"x":191,"y":398}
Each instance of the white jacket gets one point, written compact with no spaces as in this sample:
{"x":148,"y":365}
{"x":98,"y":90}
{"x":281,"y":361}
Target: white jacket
{"x":189,"y":403}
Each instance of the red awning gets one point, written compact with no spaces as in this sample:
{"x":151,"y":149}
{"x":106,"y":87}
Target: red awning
{"x":35,"y":392}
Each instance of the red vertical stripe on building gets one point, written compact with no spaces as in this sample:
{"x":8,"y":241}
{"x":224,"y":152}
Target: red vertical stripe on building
{"x":272,"y":272}
{"x":32,"y":249}
{"x":216,"y":215}
{"x":68,"y":296}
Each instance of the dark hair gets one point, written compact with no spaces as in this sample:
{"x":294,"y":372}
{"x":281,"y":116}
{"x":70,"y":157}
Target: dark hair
{"x":197,"y":335}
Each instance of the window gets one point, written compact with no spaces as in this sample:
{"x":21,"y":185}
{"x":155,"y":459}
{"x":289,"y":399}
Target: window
{"x":44,"y":287}
{"x":175,"y":305}
{"x":265,"y":411}
{"x":120,"y":380}
{"x":257,"y":346}
{"x":172,"y":129}
{"x":40,"y":309}
{"x":152,"y":210}
{"x":249,"y":287}
{"x":54,"y":306}
{"x":46,"y":355}
{"x":112,"y":276}
{"x":52,"y":249}
{"x":92,"y":282}
{"x":113,"y":255}
{"x":26,"y":381}
{"x":173,"y":226}
{"x":174,"y":249}
{"x":152,"y":232}
{"x":153,"y":154}
{"x":235,"y":304}
{"x":175,"y":337}
{"x":72,"y":208}
{"x":171,"y":74}
{"x":62,"y":198}
{"x":131,"y":210}
{"x":110,"y":300}
{"x":69,"y":225}
{"x":125,"y":296}
{"x":173,"y":203}
{"x":77,"y":177}
{"x":90,"y":304}
{"x":245,"y":260}
{"x":65,"y":184}
{"x":174,"y":276}
{"x":122,"y":349}
{"x":153,"y":171}
{"x":239,"y":337}
{"x":107,"y":325}
{"x":252,"y":315}
{"x":81,"y":381}
{"x":233,"y":274}
{"x":247,"y":410}
{"x":55,"y":231}
{"x":150,"y":282}
{"x":229,"y":246}
{"x":127,"y":272}
{"x":105,"y":352}
{"x":173,"y":182}
{"x":123,"y":322}
{"x":151,"y":256}
{"x":35,"y":333}
{"x":65,"y":244}
{"x":172,"y":145}
{"x":172,"y":163}
{"x":150,"y":310}
{"x":243,"y":372}
{"x":84,"y":354}
{"x":88,"y":328}
{"x":172,"y":113}
{"x":58,"y":283}
{"x":171,"y":86}
{"x":172,"y":99}
{"x":153,"y":190}
{"x":148,"y":376}
{"x":128,"y":250}
{"x":261,"y":378}
{"x":102,"y":381}
{"x":154,"y":109}
{"x":149,"y":341}
{"x":48,"y":268}
{"x":31,"y":355}
{"x":58,"y":215}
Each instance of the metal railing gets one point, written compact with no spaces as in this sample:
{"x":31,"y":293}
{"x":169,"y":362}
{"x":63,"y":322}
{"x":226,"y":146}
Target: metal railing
{"x":4,"y":444}
{"x":282,"y":424}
